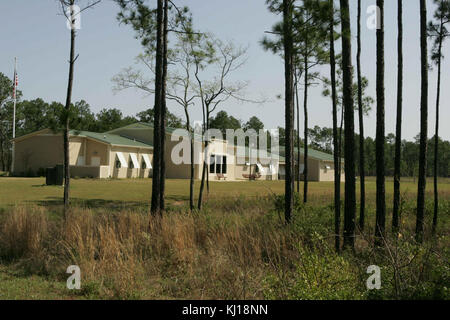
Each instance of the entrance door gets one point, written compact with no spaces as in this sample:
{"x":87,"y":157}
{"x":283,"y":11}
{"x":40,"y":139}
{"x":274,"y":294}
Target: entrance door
{"x":95,"y":161}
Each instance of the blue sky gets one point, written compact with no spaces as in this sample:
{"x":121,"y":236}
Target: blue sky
{"x":35,"y":32}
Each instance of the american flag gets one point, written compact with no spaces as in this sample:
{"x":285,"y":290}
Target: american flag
{"x":16,"y":83}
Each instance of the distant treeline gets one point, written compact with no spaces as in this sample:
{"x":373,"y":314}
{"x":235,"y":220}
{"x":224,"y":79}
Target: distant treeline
{"x":34,"y":115}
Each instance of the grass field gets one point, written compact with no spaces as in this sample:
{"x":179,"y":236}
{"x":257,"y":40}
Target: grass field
{"x":237,"y":247}
{"x":136,"y":193}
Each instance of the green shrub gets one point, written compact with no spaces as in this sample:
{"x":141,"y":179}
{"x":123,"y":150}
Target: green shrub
{"x":316,"y":276}
{"x":279,"y":202}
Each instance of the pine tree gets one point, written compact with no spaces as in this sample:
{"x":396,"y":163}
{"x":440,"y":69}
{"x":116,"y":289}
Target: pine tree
{"x":347,"y":70}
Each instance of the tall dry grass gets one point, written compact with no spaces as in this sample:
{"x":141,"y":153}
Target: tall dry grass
{"x":131,"y":255}
{"x":235,"y":249}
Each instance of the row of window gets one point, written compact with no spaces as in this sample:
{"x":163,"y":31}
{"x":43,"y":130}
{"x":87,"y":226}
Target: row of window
{"x":218,"y":164}
{"x":130,"y":165}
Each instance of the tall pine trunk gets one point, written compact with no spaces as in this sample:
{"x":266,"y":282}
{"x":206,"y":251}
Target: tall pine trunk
{"x":191,"y":142}
{"x":398,"y":130}
{"x":361,"y":129}
{"x":297,"y":170}
{"x":289,"y":108}
{"x":67,"y":112}
{"x":336,"y":146}
{"x":347,"y":70}
{"x":163,"y":110}
{"x":423,"y":123}
{"x":305,"y":107}
{"x":380,"y":135}
{"x":208,"y":113}
{"x":436,"y":135}
{"x":157,"y":158}
{"x":204,"y":173}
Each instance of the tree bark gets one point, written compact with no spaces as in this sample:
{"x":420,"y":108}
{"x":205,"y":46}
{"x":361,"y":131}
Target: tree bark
{"x":423,"y":123}
{"x":297,"y":171}
{"x":202,"y":184}
{"x":163,"y":110}
{"x":380,"y":135}
{"x":305,"y":106}
{"x":436,"y":135}
{"x":289,"y":108}
{"x":156,"y":181}
{"x":347,"y":69}
{"x":398,"y":130}
{"x":191,"y":181}
{"x":67,"y":115}
{"x":361,"y":129}
{"x":337,"y":171}
{"x":207,"y":128}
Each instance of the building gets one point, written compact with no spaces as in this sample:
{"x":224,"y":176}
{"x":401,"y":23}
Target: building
{"x":92,"y":154}
{"x":127,"y":152}
{"x":320,"y":165}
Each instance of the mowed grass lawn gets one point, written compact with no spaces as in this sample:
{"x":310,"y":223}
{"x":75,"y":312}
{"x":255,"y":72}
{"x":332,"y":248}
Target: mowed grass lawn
{"x":121,"y":194}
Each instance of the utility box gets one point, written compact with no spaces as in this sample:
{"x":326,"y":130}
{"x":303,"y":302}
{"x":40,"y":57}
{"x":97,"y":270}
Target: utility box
{"x":50,"y":176}
{"x":55,"y":176}
{"x":59,"y":175}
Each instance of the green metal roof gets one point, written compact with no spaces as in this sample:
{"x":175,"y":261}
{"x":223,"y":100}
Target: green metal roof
{"x":311,"y":152}
{"x":109,"y":138}
{"x":145,"y":125}
{"x":247,"y":152}
{"x":319,"y":155}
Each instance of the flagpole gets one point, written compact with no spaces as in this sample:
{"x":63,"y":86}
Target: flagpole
{"x":14,"y":116}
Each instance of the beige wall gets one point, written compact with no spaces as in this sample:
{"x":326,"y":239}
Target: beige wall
{"x":328,"y":174}
{"x":88,"y":172}
{"x":40,"y":151}
{"x":96,"y":149}
{"x":76,"y":147}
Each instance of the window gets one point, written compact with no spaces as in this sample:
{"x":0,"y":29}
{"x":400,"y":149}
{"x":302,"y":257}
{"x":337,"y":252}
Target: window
{"x":121,"y":160}
{"x":212,"y":160}
{"x":134,"y":163}
{"x":218,"y":164}
{"x":224,"y":165}
{"x":118,"y":164}
{"x":130,"y":164}
{"x":146,"y":164}
{"x":95,"y":161}
{"x":80,"y":161}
